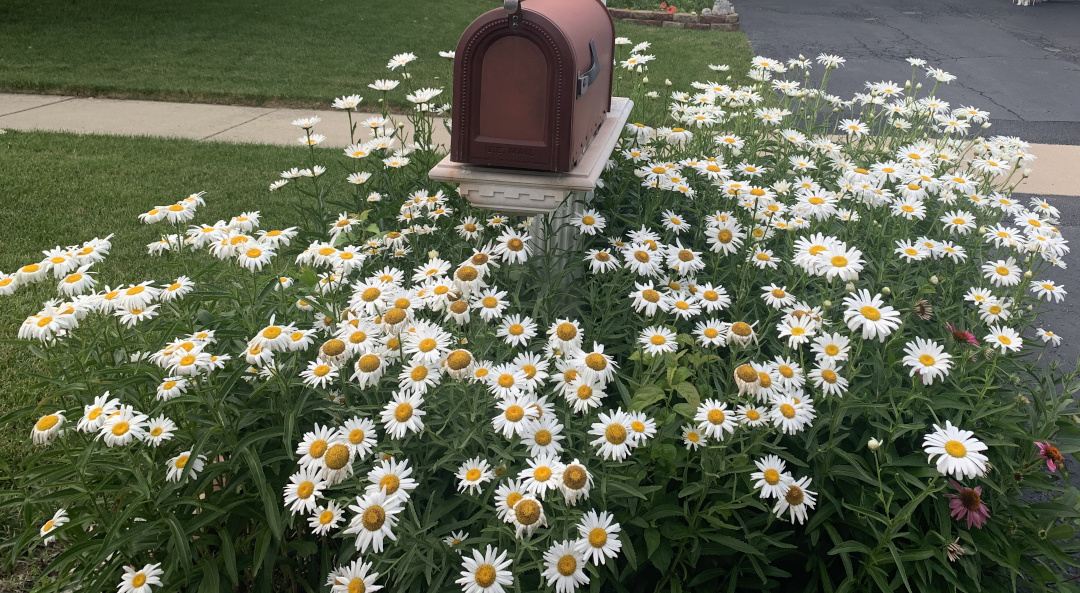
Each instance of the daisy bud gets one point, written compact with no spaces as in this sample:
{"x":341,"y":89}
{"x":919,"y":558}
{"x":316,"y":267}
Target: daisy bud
{"x":401,"y":125}
{"x":645,"y":80}
{"x":667,"y":82}
{"x":918,"y":86}
{"x":934,"y":280}
{"x":729,"y":77}
{"x":827,"y":304}
{"x":907,"y":85}
{"x":432,"y":254}
{"x":1027,"y":274}
{"x":886,"y":290}
{"x":982,"y":230}
{"x":849,"y":287}
{"x":986,"y":125}
{"x":1027,"y":173}
{"x":1028,"y":307}
{"x":873,"y":444}
{"x":802,"y":57}
{"x":1024,"y":400}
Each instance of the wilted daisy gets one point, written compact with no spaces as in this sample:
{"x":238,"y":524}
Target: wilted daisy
{"x":374,"y":518}
{"x":485,"y":572}
{"x":527,"y":515}
{"x":741,"y":333}
{"x":473,"y":474}
{"x":796,"y":500}
{"x":957,"y":451}
{"x":575,"y":481}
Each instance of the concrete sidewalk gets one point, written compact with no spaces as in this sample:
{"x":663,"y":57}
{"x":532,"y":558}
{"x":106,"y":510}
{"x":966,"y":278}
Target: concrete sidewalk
{"x":219,"y":123}
{"x":1056,"y":170}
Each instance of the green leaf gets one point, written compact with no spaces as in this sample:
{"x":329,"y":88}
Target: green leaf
{"x":228,"y":555}
{"x":689,"y":393}
{"x":210,"y":582}
{"x":686,"y":410}
{"x":1061,"y":532}
{"x":646,"y":396}
{"x":652,"y":541}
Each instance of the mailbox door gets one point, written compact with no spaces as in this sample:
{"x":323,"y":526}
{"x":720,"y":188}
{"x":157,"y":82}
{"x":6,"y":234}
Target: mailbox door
{"x":512,"y":87}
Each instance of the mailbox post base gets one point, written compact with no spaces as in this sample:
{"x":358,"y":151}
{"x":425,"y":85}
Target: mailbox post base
{"x":527,"y":193}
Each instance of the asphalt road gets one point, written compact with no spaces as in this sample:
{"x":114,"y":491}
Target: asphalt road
{"x":1022,"y":64}
{"x":1064,"y":318}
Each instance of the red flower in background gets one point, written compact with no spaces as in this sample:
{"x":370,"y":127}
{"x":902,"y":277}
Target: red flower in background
{"x":1051,"y":454}
{"x":968,"y":505}
{"x":962,"y":336}
{"x":663,"y":5}
{"x":671,"y":9}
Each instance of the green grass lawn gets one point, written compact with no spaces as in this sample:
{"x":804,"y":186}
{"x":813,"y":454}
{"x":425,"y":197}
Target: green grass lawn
{"x":62,"y":189}
{"x":270,"y":52}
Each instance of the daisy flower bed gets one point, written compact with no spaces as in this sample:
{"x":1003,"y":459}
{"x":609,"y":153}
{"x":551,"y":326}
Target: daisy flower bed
{"x":791,"y":341}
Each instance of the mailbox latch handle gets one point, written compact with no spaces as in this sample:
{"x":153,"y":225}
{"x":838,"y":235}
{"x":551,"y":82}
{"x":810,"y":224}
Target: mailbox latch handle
{"x":590,"y":75}
{"x":513,"y":8}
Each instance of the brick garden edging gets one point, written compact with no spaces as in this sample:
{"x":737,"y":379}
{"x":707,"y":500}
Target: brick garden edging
{"x":678,"y":20}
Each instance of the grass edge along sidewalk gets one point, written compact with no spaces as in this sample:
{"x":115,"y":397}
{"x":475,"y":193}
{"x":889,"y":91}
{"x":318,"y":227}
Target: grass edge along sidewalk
{"x":276,"y":53}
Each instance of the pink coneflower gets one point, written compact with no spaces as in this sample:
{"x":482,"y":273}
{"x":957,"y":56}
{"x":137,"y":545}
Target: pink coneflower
{"x":968,"y":504}
{"x":962,"y":336}
{"x":1051,"y":454}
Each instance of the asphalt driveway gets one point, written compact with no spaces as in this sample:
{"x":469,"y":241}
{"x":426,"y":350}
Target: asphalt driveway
{"x":1020,"y":63}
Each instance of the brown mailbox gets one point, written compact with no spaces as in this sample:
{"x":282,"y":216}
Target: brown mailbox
{"x":532,"y":84}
